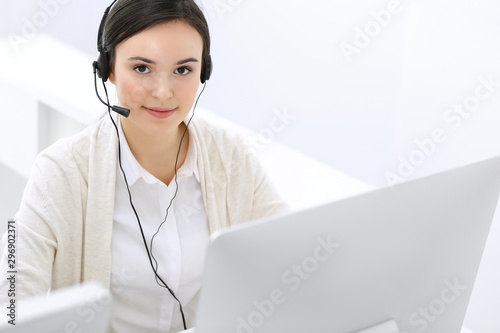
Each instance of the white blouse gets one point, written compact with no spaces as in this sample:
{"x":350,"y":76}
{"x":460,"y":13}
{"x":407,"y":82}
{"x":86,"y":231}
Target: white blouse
{"x":140,"y":304}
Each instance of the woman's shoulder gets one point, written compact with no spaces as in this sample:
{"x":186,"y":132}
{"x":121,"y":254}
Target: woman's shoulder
{"x":213,"y":128}
{"x":217,"y":136}
{"x":224,"y":147}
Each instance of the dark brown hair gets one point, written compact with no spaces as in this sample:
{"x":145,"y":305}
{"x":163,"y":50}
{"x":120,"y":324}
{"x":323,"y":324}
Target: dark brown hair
{"x":129,"y":17}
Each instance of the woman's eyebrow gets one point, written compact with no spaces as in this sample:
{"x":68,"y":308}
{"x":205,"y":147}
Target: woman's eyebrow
{"x":182,"y":62}
{"x":148,"y":61}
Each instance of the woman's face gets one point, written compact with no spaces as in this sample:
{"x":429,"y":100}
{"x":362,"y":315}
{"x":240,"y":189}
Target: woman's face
{"x":157,"y":75}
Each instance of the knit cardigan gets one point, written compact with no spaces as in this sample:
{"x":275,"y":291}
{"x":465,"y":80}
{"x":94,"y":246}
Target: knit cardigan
{"x":65,"y":221}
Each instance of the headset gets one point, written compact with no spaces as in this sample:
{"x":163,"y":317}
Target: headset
{"x":101,"y":69}
{"x":101,"y":65}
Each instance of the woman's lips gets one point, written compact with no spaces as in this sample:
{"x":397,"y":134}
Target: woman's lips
{"x":160,"y":113}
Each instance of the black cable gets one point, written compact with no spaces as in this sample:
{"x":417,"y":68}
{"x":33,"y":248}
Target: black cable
{"x":118,"y":109}
{"x":175,"y":179}
{"x":149,"y":251}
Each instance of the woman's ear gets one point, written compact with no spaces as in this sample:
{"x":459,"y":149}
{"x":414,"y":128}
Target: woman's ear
{"x":111,"y":76}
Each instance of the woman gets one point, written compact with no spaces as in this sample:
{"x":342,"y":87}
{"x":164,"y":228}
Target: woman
{"x":100,"y":205}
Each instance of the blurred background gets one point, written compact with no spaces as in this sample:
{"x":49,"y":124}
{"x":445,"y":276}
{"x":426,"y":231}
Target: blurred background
{"x":366,"y":93}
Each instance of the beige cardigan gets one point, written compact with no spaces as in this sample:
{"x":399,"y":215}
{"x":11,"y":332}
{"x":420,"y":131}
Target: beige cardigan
{"x":65,"y":220}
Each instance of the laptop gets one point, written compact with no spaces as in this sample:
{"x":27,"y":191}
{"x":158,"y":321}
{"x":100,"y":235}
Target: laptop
{"x":84,"y":308}
{"x":395,"y":260}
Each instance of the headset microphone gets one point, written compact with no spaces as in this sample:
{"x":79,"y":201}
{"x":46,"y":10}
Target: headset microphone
{"x":118,"y":109}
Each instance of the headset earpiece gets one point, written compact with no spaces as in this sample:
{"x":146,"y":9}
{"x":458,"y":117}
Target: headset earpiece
{"x":102,"y":66}
{"x":206,"y":71}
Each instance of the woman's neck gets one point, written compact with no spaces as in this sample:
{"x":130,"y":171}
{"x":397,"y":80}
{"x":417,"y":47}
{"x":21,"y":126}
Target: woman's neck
{"x":157,"y":154}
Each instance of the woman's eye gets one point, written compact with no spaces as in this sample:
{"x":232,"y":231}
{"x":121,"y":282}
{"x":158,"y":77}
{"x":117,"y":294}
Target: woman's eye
{"x":141,"y":69}
{"x":182,"y":70}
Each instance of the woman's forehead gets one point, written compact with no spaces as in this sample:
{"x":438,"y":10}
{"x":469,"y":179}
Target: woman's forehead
{"x":172,"y":39}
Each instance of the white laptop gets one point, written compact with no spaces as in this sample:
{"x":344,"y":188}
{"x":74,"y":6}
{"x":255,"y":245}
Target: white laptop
{"x":82,"y":308}
{"x":400,"y":259}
